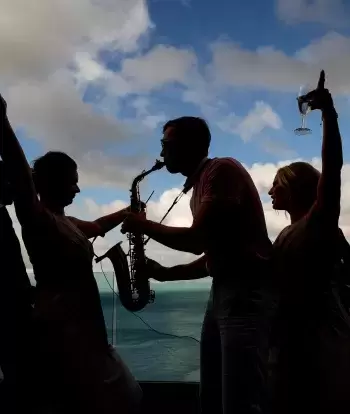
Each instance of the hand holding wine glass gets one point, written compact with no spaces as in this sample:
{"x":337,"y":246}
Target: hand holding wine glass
{"x":320,"y":98}
{"x":308,"y":100}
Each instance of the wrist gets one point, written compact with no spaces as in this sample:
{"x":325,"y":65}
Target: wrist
{"x":145,"y":226}
{"x":172,"y":273}
{"x":329,"y":112}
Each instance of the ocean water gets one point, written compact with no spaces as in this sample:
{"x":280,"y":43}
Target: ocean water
{"x":159,"y":343}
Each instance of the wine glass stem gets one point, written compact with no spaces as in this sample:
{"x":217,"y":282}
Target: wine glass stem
{"x":303,"y":121}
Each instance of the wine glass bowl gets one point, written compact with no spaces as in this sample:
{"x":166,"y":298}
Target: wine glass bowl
{"x":304,"y":109}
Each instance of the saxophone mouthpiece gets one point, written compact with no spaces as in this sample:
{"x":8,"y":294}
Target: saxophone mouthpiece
{"x":159,"y":165}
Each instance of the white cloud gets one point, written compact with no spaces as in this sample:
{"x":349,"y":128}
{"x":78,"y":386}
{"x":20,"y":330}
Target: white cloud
{"x":268,"y":68}
{"x":46,"y":73}
{"x":143,"y":112}
{"x":41,"y":46}
{"x":277,"y":147}
{"x":330,"y":12}
{"x":163,"y":64}
{"x":55,"y":115}
{"x":36,"y":41}
{"x":259,"y":118}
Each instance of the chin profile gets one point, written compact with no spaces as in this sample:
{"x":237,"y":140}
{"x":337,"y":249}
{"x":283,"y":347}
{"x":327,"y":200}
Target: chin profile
{"x":277,"y":207}
{"x":171,"y":169}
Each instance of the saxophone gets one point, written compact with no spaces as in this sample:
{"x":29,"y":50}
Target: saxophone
{"x":133,"y":283}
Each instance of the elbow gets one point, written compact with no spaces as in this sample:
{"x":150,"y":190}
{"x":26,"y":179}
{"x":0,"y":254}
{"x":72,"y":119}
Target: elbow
{"x":197,"y":248}
{"x":196,"y":251}
{"x":196,"y":243}
{"x":97,"y":229}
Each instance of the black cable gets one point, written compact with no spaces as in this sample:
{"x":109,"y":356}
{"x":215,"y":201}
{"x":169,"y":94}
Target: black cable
{"x":177,"y":199}
{"x":144,"y":322}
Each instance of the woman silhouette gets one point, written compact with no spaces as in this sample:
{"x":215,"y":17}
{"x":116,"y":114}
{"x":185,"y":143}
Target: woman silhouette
{"x":74,"y":362}
{"x":306,"y":253}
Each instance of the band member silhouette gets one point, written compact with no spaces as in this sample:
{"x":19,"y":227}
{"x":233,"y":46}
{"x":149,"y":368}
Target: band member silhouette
{"x":229,"y":227}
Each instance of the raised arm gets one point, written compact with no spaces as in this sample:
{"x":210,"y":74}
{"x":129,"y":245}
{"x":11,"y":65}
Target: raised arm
{"x":19,"y":171}
{"x":102,"y":225}
{"x":327,"y":206}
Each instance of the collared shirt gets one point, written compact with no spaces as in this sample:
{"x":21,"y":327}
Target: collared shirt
{"x":190,"y":182}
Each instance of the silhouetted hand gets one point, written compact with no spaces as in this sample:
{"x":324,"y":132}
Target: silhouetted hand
{"x":133,"y":223}
{"x":320,"y":98}
{"x":156,"y":271}
{"x":143,"y":206}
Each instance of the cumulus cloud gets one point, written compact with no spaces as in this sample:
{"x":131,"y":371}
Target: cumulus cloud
{"x":150,"y":120}
{"x":268,"y":68}
{"x":36,"y":41}
{"x":259,"y":118}
{"x":174,"y":65}
{"x":46,"y":52}
{"x":329,"y":12}
{"x":52,"y":55}
{"x":55,"y":115}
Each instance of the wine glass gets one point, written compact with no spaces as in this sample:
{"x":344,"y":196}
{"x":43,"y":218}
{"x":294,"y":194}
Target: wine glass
{"x":304,"y":109}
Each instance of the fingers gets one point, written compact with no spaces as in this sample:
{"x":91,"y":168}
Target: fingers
{"x":321,"y":81}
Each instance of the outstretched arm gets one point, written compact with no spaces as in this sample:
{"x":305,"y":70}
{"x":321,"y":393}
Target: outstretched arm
{"x":327,"y":206}
{"x":191,"y":271}
{"x":221,"y":193}
{"x":102,"y":225}
{"x":19,"y":171}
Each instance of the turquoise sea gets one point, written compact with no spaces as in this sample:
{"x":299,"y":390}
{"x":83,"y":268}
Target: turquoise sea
{"x":159,"y":343}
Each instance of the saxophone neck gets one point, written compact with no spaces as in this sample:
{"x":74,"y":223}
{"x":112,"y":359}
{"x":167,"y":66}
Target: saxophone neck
{"x":157,"y":166}
{"x":135,"y":198}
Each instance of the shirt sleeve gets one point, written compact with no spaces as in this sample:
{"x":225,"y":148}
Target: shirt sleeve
{"x":223,"y":183}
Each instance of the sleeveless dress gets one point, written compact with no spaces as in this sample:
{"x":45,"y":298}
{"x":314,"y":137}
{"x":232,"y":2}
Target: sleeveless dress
{"x":312,"y":364}
{"x":74,"y":363}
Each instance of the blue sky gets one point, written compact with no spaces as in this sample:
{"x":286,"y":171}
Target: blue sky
{"x":252,"y":24}
{"x":195,"y":25}
{"x":101,"y":83}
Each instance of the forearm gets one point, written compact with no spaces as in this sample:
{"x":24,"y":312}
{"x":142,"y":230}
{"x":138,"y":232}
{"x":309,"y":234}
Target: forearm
{"x":13,"y":156}
{"x":329,"y":186}
{"x":109,"y":222}
{"x":332,"y":151}
{"x":184,"y":239}
{"x":191,"y":271}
